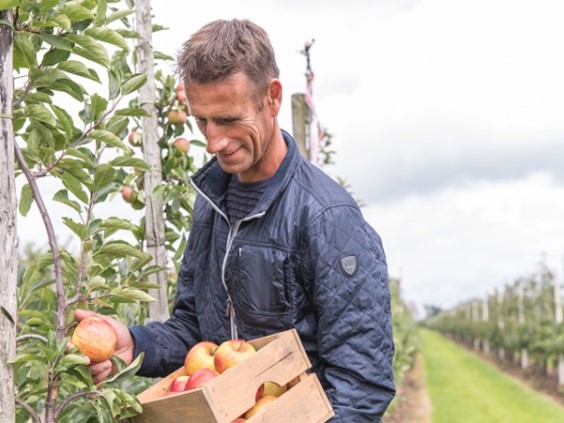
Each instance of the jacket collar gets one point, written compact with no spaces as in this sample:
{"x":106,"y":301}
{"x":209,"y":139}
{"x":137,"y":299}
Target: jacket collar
{"x":213,"y":181}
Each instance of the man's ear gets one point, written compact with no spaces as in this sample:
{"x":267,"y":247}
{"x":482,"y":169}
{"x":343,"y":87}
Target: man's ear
{"x":274,"y":96}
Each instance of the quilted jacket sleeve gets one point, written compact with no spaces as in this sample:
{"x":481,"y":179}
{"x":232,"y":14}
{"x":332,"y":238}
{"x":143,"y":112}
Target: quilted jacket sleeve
{"x":352,"y":298}
{"x":165,"y":343}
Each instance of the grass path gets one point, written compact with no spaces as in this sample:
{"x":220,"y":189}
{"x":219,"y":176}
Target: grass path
{"x":464,"y":388}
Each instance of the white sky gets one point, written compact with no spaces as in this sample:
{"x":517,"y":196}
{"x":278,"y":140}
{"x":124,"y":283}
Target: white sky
{"x":448,"y":123}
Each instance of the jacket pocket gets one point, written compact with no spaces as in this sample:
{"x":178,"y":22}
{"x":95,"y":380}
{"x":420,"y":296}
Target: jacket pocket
{"x":254,"y":324}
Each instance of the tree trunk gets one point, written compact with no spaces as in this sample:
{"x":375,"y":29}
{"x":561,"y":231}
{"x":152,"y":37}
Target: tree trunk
{"x":8,"y":207}
{"x":154,"y":219}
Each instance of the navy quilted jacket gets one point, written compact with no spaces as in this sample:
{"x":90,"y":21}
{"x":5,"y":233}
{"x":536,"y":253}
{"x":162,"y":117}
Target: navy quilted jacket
{"x":304,"y":258}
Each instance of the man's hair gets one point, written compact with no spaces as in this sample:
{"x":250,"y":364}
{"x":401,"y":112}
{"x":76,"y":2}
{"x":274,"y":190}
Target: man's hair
{"x":223,"y":48}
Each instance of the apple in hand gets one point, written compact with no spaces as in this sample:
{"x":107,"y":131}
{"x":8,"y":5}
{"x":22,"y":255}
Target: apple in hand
{"x":179,"y":384}
{"x":199,"y":378}
{"x":95,"y":338}
{"x":200,"y":356}
{"x":260,"y":404}
{"x":232,"y":352}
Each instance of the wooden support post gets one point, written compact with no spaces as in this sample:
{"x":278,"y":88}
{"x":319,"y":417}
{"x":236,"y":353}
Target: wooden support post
{"x":8,"y":210}
{"x":300,"y":115}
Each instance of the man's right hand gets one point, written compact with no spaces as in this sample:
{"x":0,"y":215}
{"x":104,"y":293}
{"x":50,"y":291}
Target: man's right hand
{"x":124,"y":348}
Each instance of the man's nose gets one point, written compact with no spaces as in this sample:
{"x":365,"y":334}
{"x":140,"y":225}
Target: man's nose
{"x":216,"y":137}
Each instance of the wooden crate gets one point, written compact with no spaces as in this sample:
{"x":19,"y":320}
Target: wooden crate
{"x":280,"y":358}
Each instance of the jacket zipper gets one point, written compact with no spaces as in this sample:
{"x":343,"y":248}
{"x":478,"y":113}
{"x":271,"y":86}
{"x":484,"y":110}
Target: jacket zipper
{"x":229,"y":307}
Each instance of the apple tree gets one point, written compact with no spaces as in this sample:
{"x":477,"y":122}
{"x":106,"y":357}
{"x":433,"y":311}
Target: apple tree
{"x":75,"y":104}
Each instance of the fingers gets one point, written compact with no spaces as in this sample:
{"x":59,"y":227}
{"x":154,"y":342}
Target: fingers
{"x":83,"y":314}
{"x":101,"y":371}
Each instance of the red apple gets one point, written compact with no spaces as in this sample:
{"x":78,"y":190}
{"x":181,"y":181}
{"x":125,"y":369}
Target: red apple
{"x":179,"y":384}
{"x":199,"y":378}
{"x":182,"y":144}
{"x":128,"y":194}
{"x":95,"y":338}
{"x":177,"y":117}
{"x":271,"y":388}
{"x":181,"y":96}
{"x":260,"y":405}
{"x":134,"y":138}
{"x":232,"y":352}
{"x":200,"y":356}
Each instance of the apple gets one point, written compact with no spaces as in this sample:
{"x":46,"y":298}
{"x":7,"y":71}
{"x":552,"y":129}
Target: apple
{"x":200,"y":356}
{"x":177,"y":117}
{"x":199,"y":378}
{"x":272,"y":388}
{"x":232,"y":352}
{"x":260,"y":405}
{"x":260,"y":392}
{"x":134,"y":138}
{"x":95,"y":338}
{"x":181,"y":95}
{"x":128,"y":194}
{"x":182,"y":144}
{"x":179,"y":384}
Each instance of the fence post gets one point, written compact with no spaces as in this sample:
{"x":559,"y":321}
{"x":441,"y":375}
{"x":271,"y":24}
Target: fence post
{"x":299,"y":122}
{"x":558,"y":321}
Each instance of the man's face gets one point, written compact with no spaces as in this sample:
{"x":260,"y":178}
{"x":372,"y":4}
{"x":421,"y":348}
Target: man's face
{"x":238,"y":123}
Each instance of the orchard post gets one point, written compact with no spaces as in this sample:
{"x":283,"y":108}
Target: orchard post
{"x":154,"y":219}
{"x":8,"y":207}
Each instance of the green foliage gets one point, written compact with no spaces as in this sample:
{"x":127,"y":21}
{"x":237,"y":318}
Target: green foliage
{"x":521,"y":316}
{"x":75,"y":103}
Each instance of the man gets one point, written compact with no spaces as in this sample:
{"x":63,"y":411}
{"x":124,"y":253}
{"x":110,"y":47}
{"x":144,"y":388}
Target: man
{"x":275,"y":243}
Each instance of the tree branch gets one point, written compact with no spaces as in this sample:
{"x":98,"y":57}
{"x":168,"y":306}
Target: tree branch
{"x":36,"y":417}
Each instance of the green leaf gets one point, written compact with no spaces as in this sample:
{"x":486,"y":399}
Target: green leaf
{"x":117,"y":223}
{"x":73,"y":185}
{"x":119,"y":15}
{"x":70,"y":87}
{"x":54,"y":56}
{"x":99,"y":105}
{"x":93,"y":52}
{"x":78,"y":68}
{"x":107,"y":35}
{"x":130,"y":161}
{"x":130,"y":294}
{"x":104,"y":175}
{"x":133,"y":83}
{"x":78,"y":228}
{"x":56,"y":41}
{"x":71,"y":360}
{"x":76,"y":12}
{"x":26,"y":199}
{"x":8,"y":4}
{"x":62,"y":196}
{"x":36,"y":112}
{"x":24,"y":49}
{"x":138,"y":112}
{"x":119,"y":249}
{"x":106,"y":137}
{"x":101,"y":8}
{"x":65,"y":121}
{"x":129,"y":371}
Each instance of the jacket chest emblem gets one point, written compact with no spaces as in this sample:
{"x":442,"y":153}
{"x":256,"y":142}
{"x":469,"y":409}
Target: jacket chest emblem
{"x":348,"y":265}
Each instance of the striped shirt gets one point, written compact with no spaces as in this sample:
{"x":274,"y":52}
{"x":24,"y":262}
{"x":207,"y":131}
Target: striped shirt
{"x":241,"y":197}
